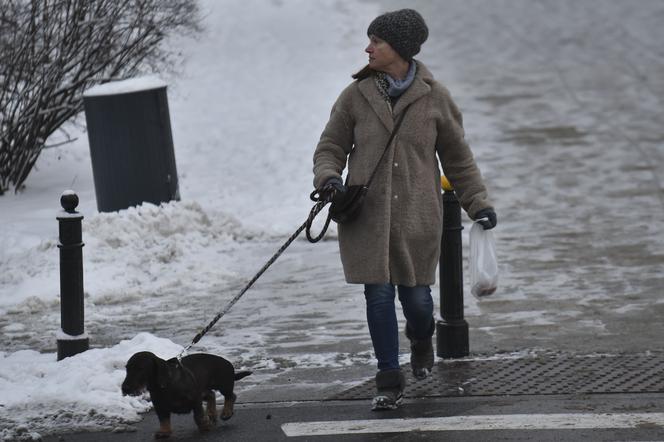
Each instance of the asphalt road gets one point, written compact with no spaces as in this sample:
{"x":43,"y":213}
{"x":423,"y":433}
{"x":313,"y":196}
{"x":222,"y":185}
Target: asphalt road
{"x":271,"y":421}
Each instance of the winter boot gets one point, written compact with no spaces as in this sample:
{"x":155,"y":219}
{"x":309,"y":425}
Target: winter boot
{"x":389,"y":389}
{"x":421,"y":353}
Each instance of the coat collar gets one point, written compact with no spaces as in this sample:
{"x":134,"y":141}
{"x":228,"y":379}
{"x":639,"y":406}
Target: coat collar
{"x":381,"y":107}
{"x":417,"y":89}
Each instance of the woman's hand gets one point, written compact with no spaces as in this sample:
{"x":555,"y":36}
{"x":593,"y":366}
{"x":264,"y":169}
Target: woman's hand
{"x":487,"y":218}
{"x":332,"y":188}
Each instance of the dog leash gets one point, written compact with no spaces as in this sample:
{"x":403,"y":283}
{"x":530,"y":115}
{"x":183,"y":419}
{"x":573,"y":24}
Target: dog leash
{"x":321,"y":201}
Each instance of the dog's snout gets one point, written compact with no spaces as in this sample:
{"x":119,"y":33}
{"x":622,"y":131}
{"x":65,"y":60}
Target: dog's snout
{"x":125,"y":389}
{"x":130,"y":388}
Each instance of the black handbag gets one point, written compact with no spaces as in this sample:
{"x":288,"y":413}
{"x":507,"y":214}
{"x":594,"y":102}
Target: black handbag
{"x":347,"y":206}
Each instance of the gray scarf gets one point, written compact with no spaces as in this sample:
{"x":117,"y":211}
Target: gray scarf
{"x":392,"y":89}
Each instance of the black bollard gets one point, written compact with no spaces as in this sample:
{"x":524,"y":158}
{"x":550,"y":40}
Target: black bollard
{"x":452,"y":328}
{"x":72,"y":339}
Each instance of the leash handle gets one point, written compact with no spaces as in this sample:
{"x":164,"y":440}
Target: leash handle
{"x":315,"y":210}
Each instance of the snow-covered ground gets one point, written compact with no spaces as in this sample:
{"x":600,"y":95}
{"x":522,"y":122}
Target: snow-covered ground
{"x":562,"y":104}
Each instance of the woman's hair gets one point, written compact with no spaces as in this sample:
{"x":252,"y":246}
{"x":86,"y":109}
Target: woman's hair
{"x":363,"y":73}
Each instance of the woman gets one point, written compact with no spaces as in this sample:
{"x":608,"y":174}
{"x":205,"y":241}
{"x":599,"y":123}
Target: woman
{"x":395,"y":241}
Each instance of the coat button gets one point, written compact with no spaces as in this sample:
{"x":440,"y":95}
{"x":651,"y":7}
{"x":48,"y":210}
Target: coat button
{"x":396,"y":197}
{"x":396,"y":164}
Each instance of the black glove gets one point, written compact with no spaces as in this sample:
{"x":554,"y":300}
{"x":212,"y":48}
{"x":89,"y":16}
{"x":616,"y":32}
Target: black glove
{"x":487,"y":217}
{"x":332,"y":188}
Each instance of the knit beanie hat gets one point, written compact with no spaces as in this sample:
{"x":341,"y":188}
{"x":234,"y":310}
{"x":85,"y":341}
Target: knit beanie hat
{"x":404,"y":30}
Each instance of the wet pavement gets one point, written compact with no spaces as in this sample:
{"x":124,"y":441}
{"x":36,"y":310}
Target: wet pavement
{"x":501,"y":416}
{"x":563,"y":107}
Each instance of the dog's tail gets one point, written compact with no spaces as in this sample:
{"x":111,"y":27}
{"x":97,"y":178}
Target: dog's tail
{"x":242,"y":374}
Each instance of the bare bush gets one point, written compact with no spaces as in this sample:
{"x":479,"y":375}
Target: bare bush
{"x":51,"y":51}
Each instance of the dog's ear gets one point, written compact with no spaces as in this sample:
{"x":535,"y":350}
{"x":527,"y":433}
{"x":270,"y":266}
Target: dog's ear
{"x":162,"y":373}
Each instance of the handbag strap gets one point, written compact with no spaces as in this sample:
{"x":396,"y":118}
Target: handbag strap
{"x":387,"y":146}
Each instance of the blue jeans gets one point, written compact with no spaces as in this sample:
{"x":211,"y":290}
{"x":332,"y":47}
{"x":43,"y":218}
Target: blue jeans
{"x":417,"y":307}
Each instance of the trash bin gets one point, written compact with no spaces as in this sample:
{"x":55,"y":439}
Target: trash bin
{"x":131,"y":145}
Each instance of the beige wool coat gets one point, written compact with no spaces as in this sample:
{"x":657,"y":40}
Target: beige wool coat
{"x":396,"y":238}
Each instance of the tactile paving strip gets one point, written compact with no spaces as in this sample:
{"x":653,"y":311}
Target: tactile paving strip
{"x":532,"y":376}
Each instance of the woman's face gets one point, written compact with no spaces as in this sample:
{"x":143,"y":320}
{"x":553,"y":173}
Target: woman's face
{"x":381,"y":54}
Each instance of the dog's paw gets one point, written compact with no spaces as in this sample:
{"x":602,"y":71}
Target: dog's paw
{"x":227,"y":411}
{"x":162,"y":434}
{"x":204,"y":425}
{"x":226,"y":414}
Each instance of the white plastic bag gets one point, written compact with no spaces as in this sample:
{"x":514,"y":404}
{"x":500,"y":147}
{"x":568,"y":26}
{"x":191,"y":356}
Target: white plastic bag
{"x":483,"y":263}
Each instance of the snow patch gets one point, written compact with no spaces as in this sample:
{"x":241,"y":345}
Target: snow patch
{"x":127,"y":86}
{"x":39,"y":395}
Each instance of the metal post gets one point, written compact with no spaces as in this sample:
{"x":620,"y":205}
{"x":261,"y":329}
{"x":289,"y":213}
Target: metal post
{"x":72,"y":339}
{"x":452,"y":328}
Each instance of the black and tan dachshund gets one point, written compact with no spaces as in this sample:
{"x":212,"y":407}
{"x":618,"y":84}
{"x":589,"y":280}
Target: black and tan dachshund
{"x":182,"y":386}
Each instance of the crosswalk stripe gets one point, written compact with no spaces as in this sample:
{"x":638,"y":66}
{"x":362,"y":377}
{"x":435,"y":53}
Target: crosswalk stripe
{"x":563,"y":421}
